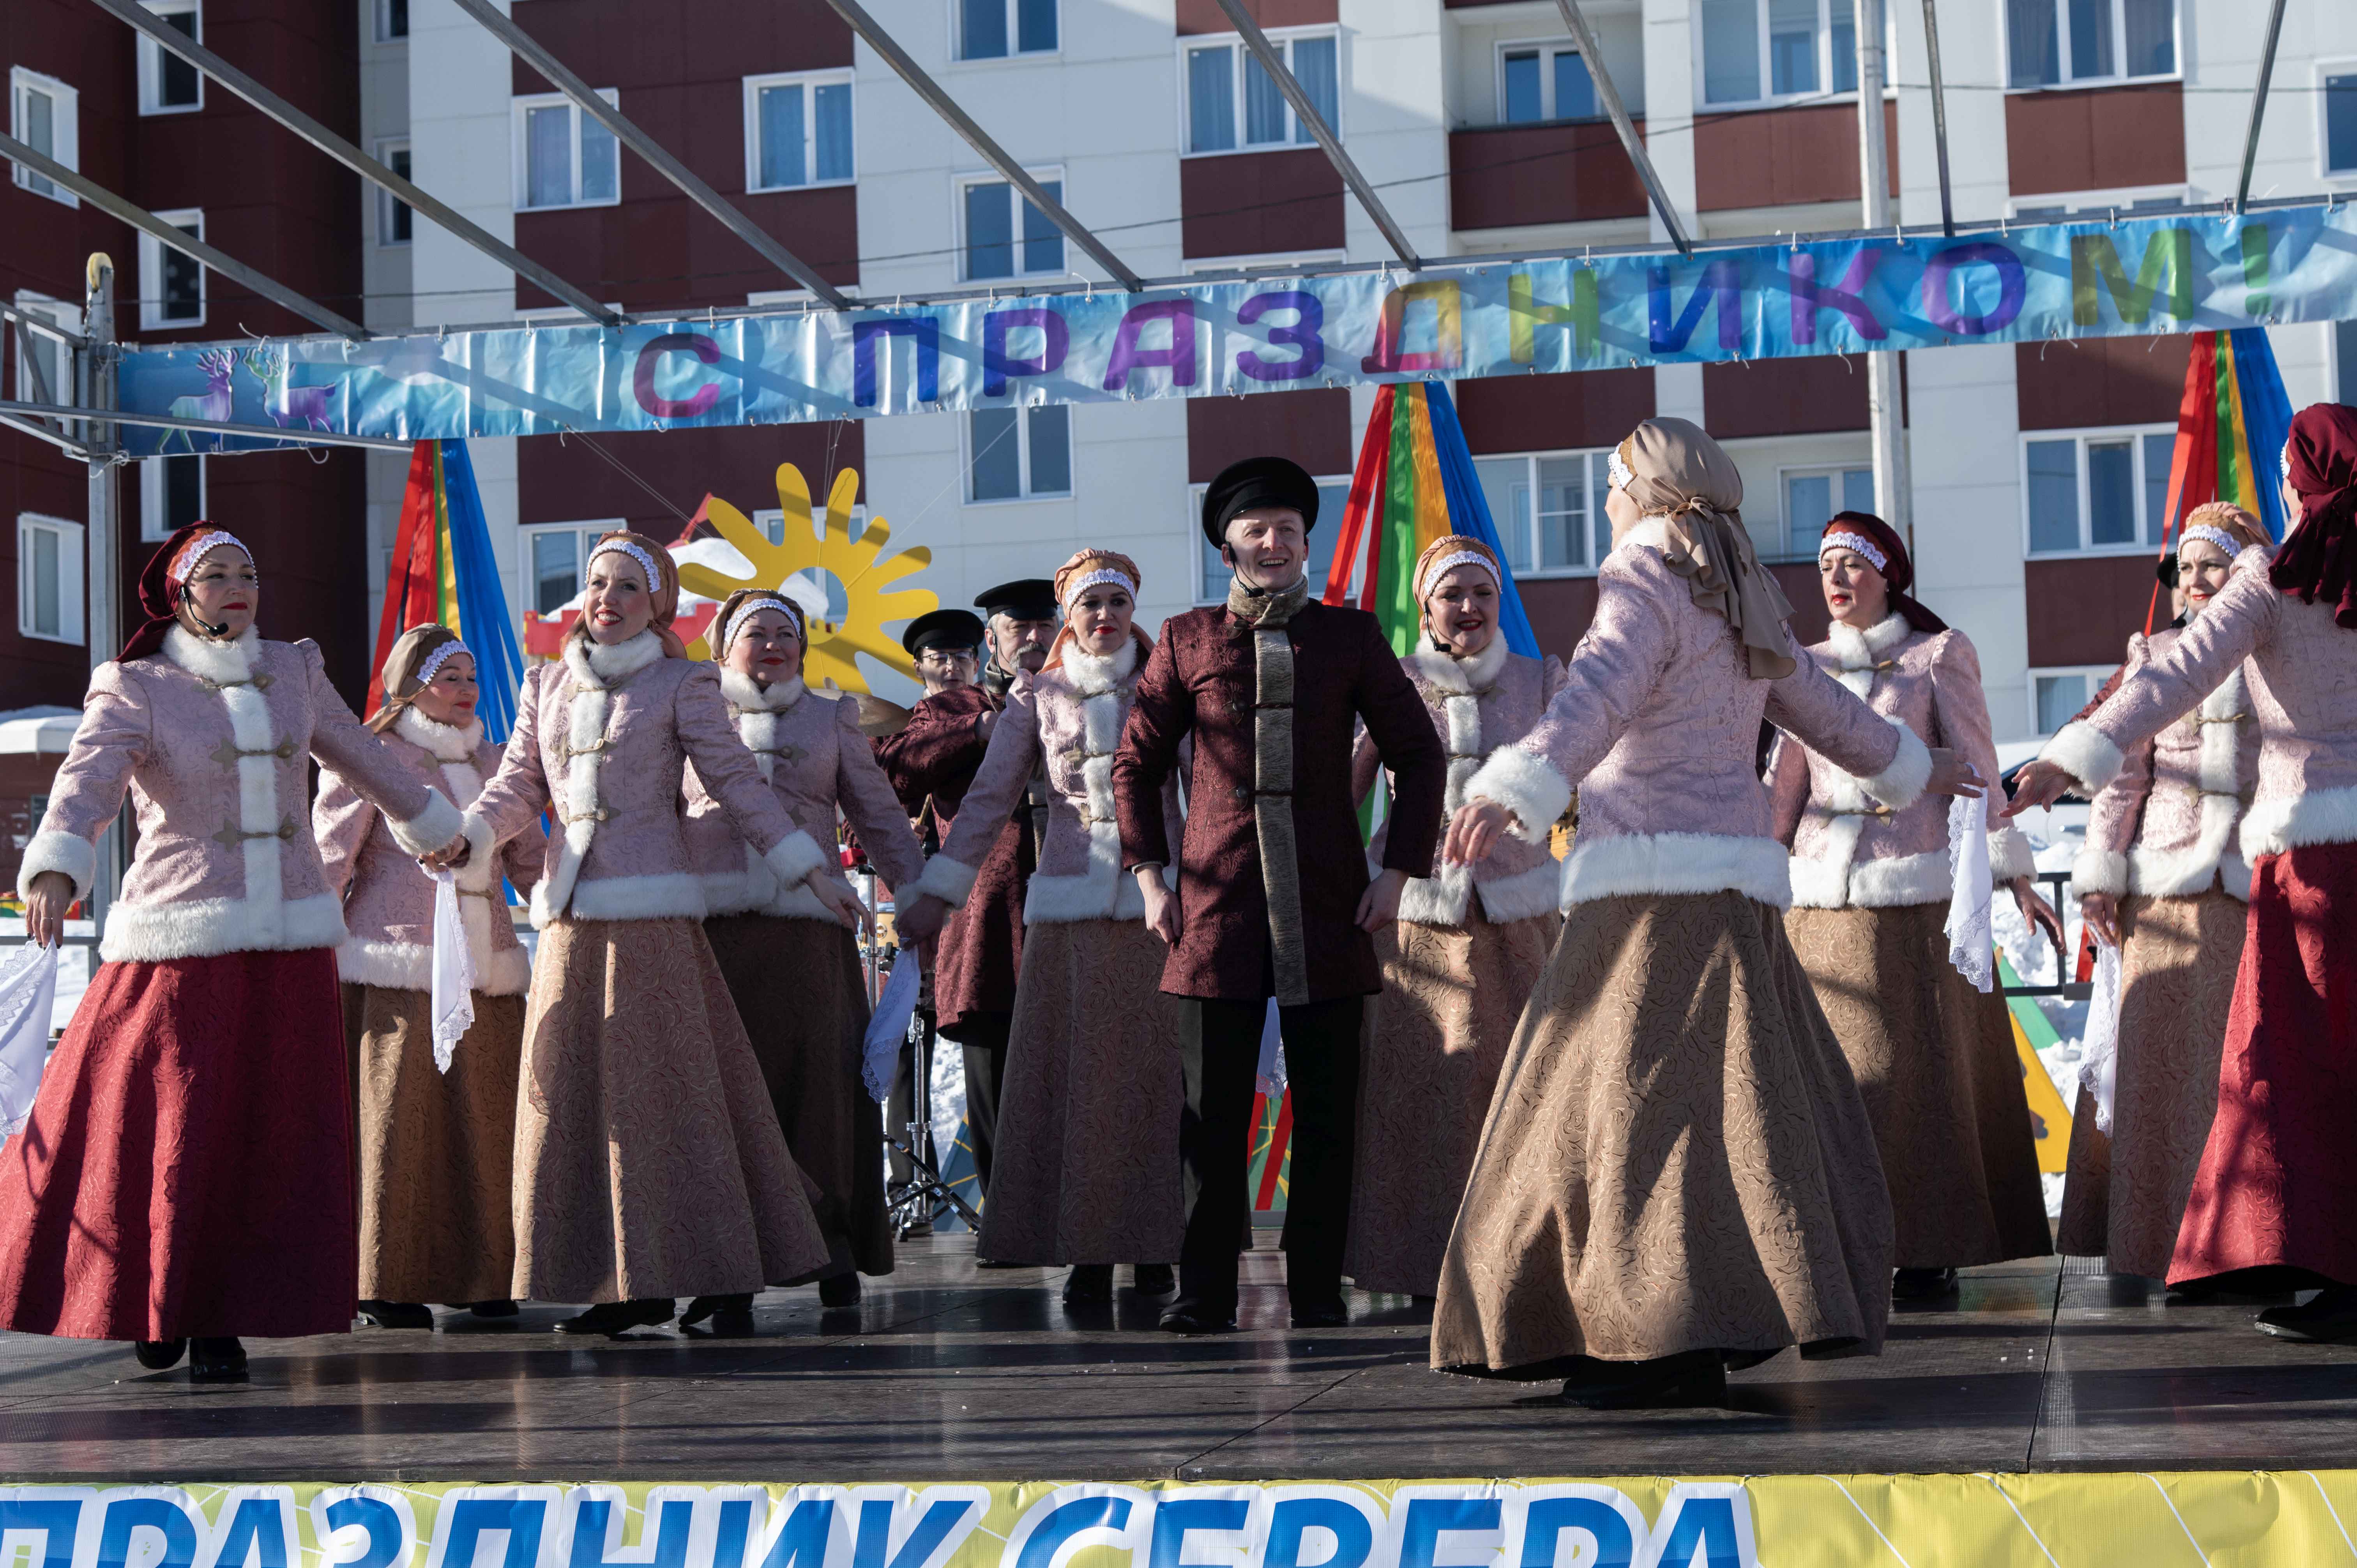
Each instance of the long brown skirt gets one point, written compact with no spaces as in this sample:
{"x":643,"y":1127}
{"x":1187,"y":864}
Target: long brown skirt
{"x":1936,"y":1063}
{"x":2084,"y":1229}
{"x":1087,"y":1169}
{"x":805,"y":1005}
{"x":1434,"y":1043}
{"x":1676,"y":1157}
{"x":648,"y":1163}
{"x":436,"y":1151}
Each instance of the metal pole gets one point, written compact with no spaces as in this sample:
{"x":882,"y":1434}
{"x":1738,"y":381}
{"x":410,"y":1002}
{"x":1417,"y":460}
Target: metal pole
{"x":166,"y":422}
{"x":1593,"y":57}
{"x":943,"y":104}
{"x":103,"y":628}
{"x":1274,"y":63}
{"x":1939,"y":114}
{"x":528,"y":49}
{"x":2259,"y":106}
{"x":147,"y":222}
{"x":1891,"y":492}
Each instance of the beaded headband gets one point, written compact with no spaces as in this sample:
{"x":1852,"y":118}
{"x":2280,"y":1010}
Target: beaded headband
{"x":202,"y":545}
{"x":1102,"y":574}
{"x":1616,"y":467}
{"x":746,"y":611}
{"x":2209,"y":535}
{"x":1461,"y":558}
{"x":654,"y":578}
{"x":1856,"y":541}
{"x":438,"y":658}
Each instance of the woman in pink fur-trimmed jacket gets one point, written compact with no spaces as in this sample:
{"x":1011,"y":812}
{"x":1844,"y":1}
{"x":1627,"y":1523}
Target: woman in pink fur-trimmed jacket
{"x":1934,"y":1056}
{"x":186,"y":1168}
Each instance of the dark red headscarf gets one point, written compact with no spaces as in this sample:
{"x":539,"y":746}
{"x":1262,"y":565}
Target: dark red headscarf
{"x":2318,"y":558}
{"x":1897,"y":568}
{"x":159,"y":586}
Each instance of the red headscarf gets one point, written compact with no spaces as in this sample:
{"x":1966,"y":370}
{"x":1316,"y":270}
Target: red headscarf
{"x":2318,"y":558}
{"x":159,"y":585}
{"x":1897,"y":568}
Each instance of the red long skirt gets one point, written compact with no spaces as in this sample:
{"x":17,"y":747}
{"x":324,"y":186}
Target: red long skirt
{"x":2278,"y":1180}
{"x":188,"y":1165}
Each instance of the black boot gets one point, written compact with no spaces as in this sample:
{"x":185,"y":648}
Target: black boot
{"x":1089,"y":1284}
{"x":1922,"y":1285}
{"x":1153,"y":1279}
{"x":613,"y":1317}
{"x":159,"y":1355}
{"x":2331,"y":1316}
{"x":492,"y":1308}
{"x":727,"y":1316}
{"x":839,"y":1290}
{"x":395,"y":1314}
{"x":1691,"y":1380}
{"x":216,"y":1361}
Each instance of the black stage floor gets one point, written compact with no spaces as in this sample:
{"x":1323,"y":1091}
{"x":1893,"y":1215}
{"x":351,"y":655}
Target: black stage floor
{"x":948,"y":1373}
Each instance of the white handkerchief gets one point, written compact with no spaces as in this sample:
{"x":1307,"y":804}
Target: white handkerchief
{"x":1972,"y":941}
{"x":28,"y":990}
{"x":453,"y":1001}
{"x":2099,"y":1050}
{"x":880,"y":1053}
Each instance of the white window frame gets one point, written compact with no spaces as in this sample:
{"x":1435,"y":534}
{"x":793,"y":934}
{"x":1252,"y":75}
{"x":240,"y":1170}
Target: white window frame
{"x":1026,"y":496}
{"x":528,"y":578}
{"x":1548,"y":49}
{"x":810,"y":82}
{"x":71,"y":569}
{"x":1238,"y":53}
{"x":66,"y":317}
{"x":1790,"y":548}
{"x":522,"y":105}
{"x":382,"y":15}
{"x":152,"y":58}
{"x":1014,"y":37}
{"x":1200,"y":586}
{"x":1768,"y":99}
{"x":152,"y":252}
{"x":1518,"y":551}
{"x":1044,"y":173}
{"x":2064,"y":81}
{"x":388,"y":206}
{"x":153,"y":526}
{"x":2142,"y":544}
{"x":65,"y":129}
{"x":2342,"y":65}
{"x":2095,"y":675}
{"x":2126,"y":199}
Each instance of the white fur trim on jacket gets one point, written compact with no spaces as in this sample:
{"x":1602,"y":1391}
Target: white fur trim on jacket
{"x":2321,"y":816}
{"x":948,"y":880}
{"x":406,"y":966}
{"x":199,"y":928}
{"x":1103,"y":684}
{"x":434,"y":826}
{"x":1524,"y":896}
{"x":1526,"y":785}
{"x":1066,"y":900}
{"x":1442,"y":899}
{"x":1858,"y":651}
{"x":448,"y":743}
{"x":1891,"y":883}
{"x":2009,"y":854}
{"x":596,"y":668}
{"x":793,"y":857}
{"x":2211,"y":857}
{"x":2081,"y":750}
{"x":78,"y":858}
{"x":2099,"y":871}
{"x":1900,"y":785}
{"x":662,"y":895}
{"x":1677,"y":864}
{"x":757,"y":710}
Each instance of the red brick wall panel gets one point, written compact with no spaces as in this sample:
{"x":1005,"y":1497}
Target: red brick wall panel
{"x":1507,"y":176}
{"x":1312,"y":427}
{"x":1553,"y":413}
{"x":1258,"y":204}
{"x":1786,"y":397}
{"x":1780,"y":157}
{"x":2100,"y":381}
{"x":1205,"y":15}
{"x":2095,"y":138}
{"x":2083,"y":610}
{"x":560,"y":481}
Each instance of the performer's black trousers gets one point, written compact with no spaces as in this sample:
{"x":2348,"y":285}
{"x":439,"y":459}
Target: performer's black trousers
{"x":1222,"y":1057}
{"x":984,"y":1038}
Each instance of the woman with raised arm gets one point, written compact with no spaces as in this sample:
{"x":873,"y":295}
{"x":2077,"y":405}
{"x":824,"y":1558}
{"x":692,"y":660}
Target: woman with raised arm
{"x":1932,"y":1055}
{"x":1088,"y":1170}
{"x":2163,"y":879}
{"x":187,"y":1169}
{"x":1467,"y":947}
{"x":791,"y":965}
{"x":1677,"y":1172}
{"x":2270,"y":1209}
{"x":648,"y":1163}
{"x":436,"y":1157}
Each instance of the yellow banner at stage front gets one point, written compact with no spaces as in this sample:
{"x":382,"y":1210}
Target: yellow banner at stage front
{"x":2225,"y":1519}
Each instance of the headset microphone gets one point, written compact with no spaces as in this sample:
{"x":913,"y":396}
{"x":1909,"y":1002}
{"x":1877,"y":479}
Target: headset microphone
{"x":210,"y":628}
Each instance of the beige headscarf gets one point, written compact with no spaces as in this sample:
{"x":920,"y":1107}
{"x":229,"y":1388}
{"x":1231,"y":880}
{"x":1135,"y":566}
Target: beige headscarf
{"x":402,"y":667}
{"x":1680,"y":475}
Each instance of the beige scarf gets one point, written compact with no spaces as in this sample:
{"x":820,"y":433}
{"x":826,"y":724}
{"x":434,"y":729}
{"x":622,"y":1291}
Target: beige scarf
{"x":1686,"y":479}
{"x":1265,"y":616}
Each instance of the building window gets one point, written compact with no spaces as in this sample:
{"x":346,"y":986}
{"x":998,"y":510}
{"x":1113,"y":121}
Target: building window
{"x":2344,"y":359}
{"x":2057,"y":695}
{"x":171,"y":495}
{"x":1233,"y":103}
{"x":391,"y":20}
{"x":797,"y":130}
{"x":1548,"y":509}
{"x":1765,"y":51}
{"x":168,"y":84}
{"x":48,"y":578}
{"x":1018,"y":454}
{"x":2340,"y":129}
{"x":394,"y":217}
{"x":44,"y":365}
{"x":46,"y":115}
{"x":992,"y":29}
{"x":552,"y":557}
{"x":563,"y":158}
{"x":1812,"y":496}
{"x":2058,"y":42}
{"x":2097,"y":491}
{"x":1333,"y":498}
{"x":171,"y":284}
{"x":1539,"y":82}
{"x":996,"y":245}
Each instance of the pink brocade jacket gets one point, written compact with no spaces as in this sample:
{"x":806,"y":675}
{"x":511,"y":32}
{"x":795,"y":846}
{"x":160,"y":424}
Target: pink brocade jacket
{"x":602,"y":740}
{"x":1073,"y":715}
{"x":809,"y":749}
{"x":1850,"y":850}
{"x":2299,"y":672}
{"x":213,"y":741}
{"x":1477,"y":704}
{"x":389,"y":897}
{"x":1657,"y":726}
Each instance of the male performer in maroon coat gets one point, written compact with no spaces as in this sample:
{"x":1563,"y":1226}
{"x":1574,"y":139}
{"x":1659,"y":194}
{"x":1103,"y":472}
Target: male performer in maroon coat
{"x":1273,"y":897}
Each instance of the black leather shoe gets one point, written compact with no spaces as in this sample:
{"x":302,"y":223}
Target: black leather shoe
{"x":1328,"y":1314}
{"x":727,"y":1314}
{"x":2329,"y":1318}
{"x":1089,"y":1284}
{"x":839,"y":1290}
{"x":1922,"y":1285}
{"x":612,"y":1317}
{"x":159,"y":1355}
{"x":1691,"y":1380}
{"x":216,"y":1361}
{"x":1192,"y":1317}
{"x":1153,"y":1279}
{"x":395,"y":1314}
{"x":492,"y":1308}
